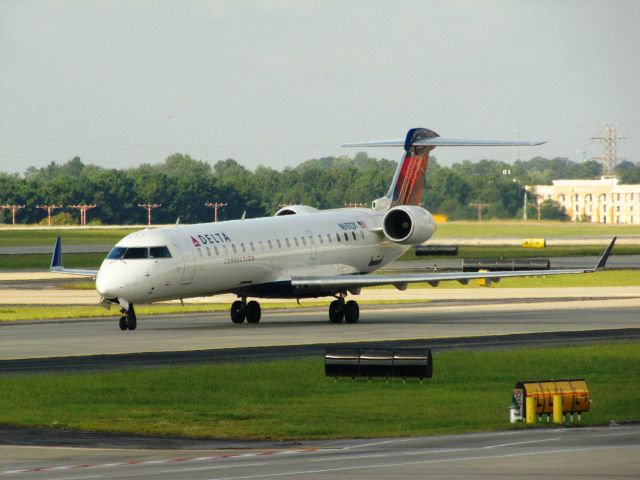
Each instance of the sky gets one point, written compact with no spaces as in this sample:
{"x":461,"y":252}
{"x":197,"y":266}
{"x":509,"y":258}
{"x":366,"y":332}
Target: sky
{"x":274,"y":83}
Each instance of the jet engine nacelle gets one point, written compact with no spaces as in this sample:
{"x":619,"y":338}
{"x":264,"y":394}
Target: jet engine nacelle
{"x":408,"y":225}
{"x":295,"y":210}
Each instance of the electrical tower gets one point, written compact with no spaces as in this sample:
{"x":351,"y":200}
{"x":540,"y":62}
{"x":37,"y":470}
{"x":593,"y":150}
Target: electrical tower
{"x":14,"y":209}
{"x":609,"y":137}
{"x":49,"y":209}
{"x":83,"y":212}
{"x":215,"y":206}
{"x":149,"y":207}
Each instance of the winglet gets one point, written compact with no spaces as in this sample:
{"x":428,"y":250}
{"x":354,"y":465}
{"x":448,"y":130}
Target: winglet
{"x":56,"y":258}
{"x":605,"y":255}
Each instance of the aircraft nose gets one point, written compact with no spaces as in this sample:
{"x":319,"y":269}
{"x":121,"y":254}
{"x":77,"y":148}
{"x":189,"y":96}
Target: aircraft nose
{"x":108,"y":285}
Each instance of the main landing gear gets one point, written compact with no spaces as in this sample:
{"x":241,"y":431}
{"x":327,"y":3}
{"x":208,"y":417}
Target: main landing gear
{"x":241,"y":310}
{"x":340,"y":310}
{"x":128,"y":321}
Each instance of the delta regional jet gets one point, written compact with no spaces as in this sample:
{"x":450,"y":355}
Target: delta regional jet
{"x":301,"y":252}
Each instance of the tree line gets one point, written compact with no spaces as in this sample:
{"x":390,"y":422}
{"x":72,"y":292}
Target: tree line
{"x":183,"y":185}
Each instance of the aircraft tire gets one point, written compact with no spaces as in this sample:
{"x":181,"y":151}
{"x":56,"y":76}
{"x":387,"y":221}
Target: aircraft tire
{"x":351,"y":312}
{"x":336,"y":311}
{"x":238,"y":311}
{"x":123,"y":323}
{"x":253,"y":312}
{"x":132,"y":323}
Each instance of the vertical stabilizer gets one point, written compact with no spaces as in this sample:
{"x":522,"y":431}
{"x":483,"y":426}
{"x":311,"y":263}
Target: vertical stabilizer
{"x":408,"y":181}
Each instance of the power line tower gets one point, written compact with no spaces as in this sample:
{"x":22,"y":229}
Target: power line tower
{"x":609,"y":137}
{"x":149,"y":207}
{"x":215,"y":206}
{"x":83,"y":212}
{"x":49,"y":209}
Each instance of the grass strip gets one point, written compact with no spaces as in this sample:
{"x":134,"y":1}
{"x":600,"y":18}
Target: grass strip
{"x":11,"y":313}
{"x":75,"y":236}
{"x":288,"y":400}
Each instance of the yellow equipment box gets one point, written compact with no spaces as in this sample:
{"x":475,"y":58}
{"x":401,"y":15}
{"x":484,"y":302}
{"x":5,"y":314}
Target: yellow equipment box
{"x":534,"y":243}
{"x":576,"y":397}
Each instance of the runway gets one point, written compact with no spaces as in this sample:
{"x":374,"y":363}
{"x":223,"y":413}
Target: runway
{"x":561,"y":453}
{"x":188,"y":332}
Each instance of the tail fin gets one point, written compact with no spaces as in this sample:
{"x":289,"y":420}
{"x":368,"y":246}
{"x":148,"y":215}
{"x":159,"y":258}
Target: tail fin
{"x":408,"y":181}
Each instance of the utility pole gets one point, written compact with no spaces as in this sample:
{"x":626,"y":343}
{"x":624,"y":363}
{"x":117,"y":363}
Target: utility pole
{"x":609,"y":137}
{"x":479,"y":206}
{"x":49,"y":209}
{"x":215,"y":206}
{"x":524,"y":207}
{"x":149,"y":207}
{"x":14,"y":209}
{"x":354,"y":205}
{"x":83,"y":212}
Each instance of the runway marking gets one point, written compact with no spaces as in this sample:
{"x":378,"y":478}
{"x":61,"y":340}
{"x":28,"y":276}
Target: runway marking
{"x":523,"y":443}
{"x":373,"y":444}
{"x":615,"y":434}
{"x":76,"y":478}
{"x":422,"y":462}
{"x":225,"y":456}
{"x":213,"y":467}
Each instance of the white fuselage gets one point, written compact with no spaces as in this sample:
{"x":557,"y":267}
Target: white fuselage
{"x":254,"y":257}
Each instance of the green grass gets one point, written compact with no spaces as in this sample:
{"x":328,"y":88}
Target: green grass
{"x":532,"y":229}
{"x":10,"y":313}
{"x":287,"y":400}
{"x":520,"y":252}
{"x":79,"y":236}
{"x":43,"y":260}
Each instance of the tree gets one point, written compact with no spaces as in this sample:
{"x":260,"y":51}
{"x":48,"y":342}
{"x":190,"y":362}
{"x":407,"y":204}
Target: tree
{"x":552,"y":210}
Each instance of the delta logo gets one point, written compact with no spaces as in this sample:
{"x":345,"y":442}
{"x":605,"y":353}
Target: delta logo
{"x":195,"y":242}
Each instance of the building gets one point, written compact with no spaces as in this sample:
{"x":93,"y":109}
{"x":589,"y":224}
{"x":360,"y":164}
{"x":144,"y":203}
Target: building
{"x":596,"y":201}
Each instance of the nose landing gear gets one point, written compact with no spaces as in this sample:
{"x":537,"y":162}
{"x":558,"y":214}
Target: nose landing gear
{"x":128,"y":321}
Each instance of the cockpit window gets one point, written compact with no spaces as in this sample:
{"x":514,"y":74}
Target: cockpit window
{"x":159,"y":252}
{"x":116,"y":253}
{"x":136,"y":253}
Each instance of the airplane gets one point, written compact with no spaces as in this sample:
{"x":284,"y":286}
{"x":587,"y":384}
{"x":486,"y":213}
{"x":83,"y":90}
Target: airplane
{"x":300,"y":252}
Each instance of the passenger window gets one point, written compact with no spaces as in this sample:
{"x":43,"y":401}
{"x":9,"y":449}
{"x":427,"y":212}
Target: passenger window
{"x":244,"y":250}
{"x":278,"y":242}
{"x":338,"y":237}
{"x":304,"y":242}
{"x":226,"y":251}
{"x":346,"y":237}
{"x":320,"y":238}
{"x":159,"y":252}
{"x":329,"y":237}
{"x":362,"y":234}
{"x":270,"y":244}
{"x":136,"y":253}
{"x":354,"y":235}
{"x":208,"y":252}
{"x":253,"y":249}
{"x":287,"y":242}
{"x":296,"y":240}
{"x":261,"y":245}
{"x":215,"y":249}
{"x":233,"y":246}
{"x":200,"y":251}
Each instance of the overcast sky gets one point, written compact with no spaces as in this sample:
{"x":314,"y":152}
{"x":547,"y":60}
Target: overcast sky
{"x":120,"y":83}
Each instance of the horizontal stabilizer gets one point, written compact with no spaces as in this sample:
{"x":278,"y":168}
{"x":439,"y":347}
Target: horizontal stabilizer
{"x":448,"y":142}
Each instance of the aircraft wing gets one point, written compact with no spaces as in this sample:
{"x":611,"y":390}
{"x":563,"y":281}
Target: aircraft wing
{"x":433,"y":279}
{"x":57,"y":267}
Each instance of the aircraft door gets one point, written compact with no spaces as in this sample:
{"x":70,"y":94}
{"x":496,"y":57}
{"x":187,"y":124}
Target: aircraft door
{"x":312,"y":245}
{"x":188,"y":259}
